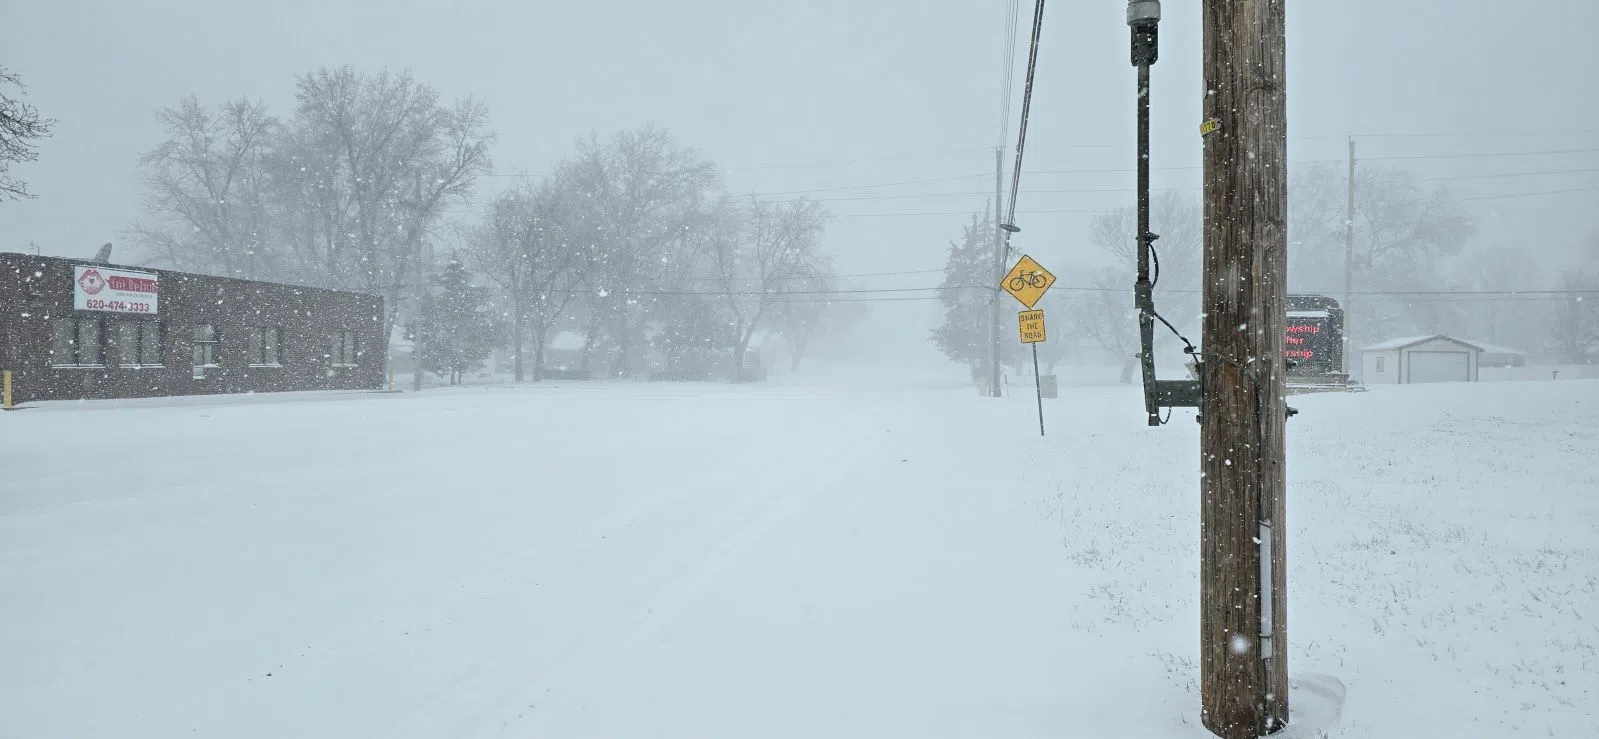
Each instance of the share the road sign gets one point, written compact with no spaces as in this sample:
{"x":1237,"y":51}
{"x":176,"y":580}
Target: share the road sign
{"x":1031,"y":323}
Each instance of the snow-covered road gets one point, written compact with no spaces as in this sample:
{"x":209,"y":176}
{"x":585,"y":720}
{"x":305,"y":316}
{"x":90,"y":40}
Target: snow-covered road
{"x":712,"y":561}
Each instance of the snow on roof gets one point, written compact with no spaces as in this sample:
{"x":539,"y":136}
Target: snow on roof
{"x":1410,"y":341}
{"x":1495,"y":348}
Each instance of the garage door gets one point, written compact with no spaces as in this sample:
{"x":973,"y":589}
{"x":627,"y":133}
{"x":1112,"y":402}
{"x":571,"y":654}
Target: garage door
{"x":1439,"y":367}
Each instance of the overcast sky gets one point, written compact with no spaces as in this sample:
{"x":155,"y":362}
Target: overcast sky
{"x":835,"y":95}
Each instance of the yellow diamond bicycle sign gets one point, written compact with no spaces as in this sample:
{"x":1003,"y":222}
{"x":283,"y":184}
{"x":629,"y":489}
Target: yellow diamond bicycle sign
{"x":1027,"y":281}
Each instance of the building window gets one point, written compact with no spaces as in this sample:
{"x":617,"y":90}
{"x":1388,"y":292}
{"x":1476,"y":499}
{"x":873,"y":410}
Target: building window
{"x":343,"y":350}
{"x":139,"y":343}
{"x":264,"y":346}
{"x":1380,"y":363}
{"x":205,"y":348}
{"x":76,"y":343}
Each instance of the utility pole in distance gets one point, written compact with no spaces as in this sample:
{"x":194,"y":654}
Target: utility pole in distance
{"x":1243,"y":649}
{"x":1349,"y":253}
{"x":994,"y":390}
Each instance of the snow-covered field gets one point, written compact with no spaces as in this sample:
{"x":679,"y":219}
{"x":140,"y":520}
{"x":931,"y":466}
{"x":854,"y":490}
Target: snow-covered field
{"x":821,"y":560}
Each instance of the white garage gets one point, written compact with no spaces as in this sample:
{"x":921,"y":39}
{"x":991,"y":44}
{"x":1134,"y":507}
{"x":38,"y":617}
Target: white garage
{"x":1435,"y":358}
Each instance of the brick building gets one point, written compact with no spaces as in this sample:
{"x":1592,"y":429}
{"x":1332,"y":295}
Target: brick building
{"x":72,"y":328}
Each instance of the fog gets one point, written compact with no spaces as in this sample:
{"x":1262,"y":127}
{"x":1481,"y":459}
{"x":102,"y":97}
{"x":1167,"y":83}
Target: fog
{"x":415,"y":368}
{"x":835,"y":100}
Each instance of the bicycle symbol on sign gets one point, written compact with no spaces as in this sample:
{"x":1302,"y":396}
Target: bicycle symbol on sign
{"x":1027,"y":279}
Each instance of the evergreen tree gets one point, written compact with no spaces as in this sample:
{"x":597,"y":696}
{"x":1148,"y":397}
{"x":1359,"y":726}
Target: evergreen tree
{"x":457,"y":327}
{"x":963,"y":335}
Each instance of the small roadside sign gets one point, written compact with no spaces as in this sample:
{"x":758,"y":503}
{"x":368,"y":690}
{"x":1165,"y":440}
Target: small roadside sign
{"x":1027,"y":281}
{"x":1031,"y":323}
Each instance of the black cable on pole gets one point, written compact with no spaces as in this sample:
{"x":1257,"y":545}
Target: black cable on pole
{"x":1027,"y":104}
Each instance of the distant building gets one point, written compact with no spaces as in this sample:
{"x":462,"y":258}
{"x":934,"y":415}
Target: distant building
{"x":73,"y":328}
{"x":1434,"y":358}
{"x":1494,"y":355}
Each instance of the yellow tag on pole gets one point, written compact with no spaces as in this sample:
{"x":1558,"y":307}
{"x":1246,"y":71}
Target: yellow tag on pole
{"x":1027,"y":281}
{"x":1031,"y":323}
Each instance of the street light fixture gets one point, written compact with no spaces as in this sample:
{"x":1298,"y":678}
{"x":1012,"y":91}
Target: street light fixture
{"x":1143,"y":16}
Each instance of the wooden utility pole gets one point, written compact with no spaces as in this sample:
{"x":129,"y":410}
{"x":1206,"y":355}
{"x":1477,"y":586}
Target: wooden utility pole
{"x":994,"y":332}
{"x":1243,"y":649}
{"x":1349,"y":253}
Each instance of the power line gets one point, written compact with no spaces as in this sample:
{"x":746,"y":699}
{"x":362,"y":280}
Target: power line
{"x":1388,"y":293}
{"x":1171,"y":188}
{"x":757,"y":280}
{"x":1010,"y":54}
{"x":1487,"y":155}
{"x":1547,"y":172}
{"x":1469,"y":134}
{"x":926,"y":154}
{"x":1560,"y":293}
{"x":757,"y":293}
{"x":842,"y":188}
{"x":1408,"y":157}
{"x":1055,"y":211}
{"x":1027,"y":105}
{"x":1123,"y":170}
{"x":1012,"y":18}
{"x":1509,"y":196}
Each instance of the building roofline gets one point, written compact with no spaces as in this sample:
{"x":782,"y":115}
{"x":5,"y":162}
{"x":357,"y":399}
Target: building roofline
{"x":1407,"y":342}
{"x":181,"y":274}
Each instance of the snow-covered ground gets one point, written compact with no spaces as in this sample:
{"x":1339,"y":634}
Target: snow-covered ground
{"x":900,"y":558}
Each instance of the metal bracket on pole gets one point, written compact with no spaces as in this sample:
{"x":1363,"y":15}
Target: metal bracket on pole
{"x":1178,"y":394}
{"x":1159,"y":393}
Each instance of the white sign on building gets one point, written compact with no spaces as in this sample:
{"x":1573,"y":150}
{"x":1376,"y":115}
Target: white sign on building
{"x":116,"y":290}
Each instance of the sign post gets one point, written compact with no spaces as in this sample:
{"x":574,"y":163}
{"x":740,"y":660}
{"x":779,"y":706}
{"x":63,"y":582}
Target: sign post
{"x":1031,"y":324}
{"x":1027,"y":282}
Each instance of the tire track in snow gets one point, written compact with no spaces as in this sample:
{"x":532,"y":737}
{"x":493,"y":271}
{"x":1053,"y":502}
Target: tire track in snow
{"x":737,"y":534}
{"x":473,"y":693}
{"x":313,"y":603}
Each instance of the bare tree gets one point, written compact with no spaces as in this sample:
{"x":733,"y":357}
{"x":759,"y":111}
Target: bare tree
{"x":1575,"y":336}
{"x":1404,"y":232}
{"x":21,"y":127}
{"x":345,"y":195}
{"x":1505,"y":319}
{"x":1107,"y":319}
{"x":377,"y":158}
{"x":805,"y":313}
{"x":525,"y":249}
{"x":759,"y":253}
{"x":1316,"y":213}
{"x":1179,"y":221}
{"x":207,"y":188}
{"x":640,"y":195}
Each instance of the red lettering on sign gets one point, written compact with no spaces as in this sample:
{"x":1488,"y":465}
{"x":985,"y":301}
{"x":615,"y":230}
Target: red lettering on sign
{"x":132,"y":284}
